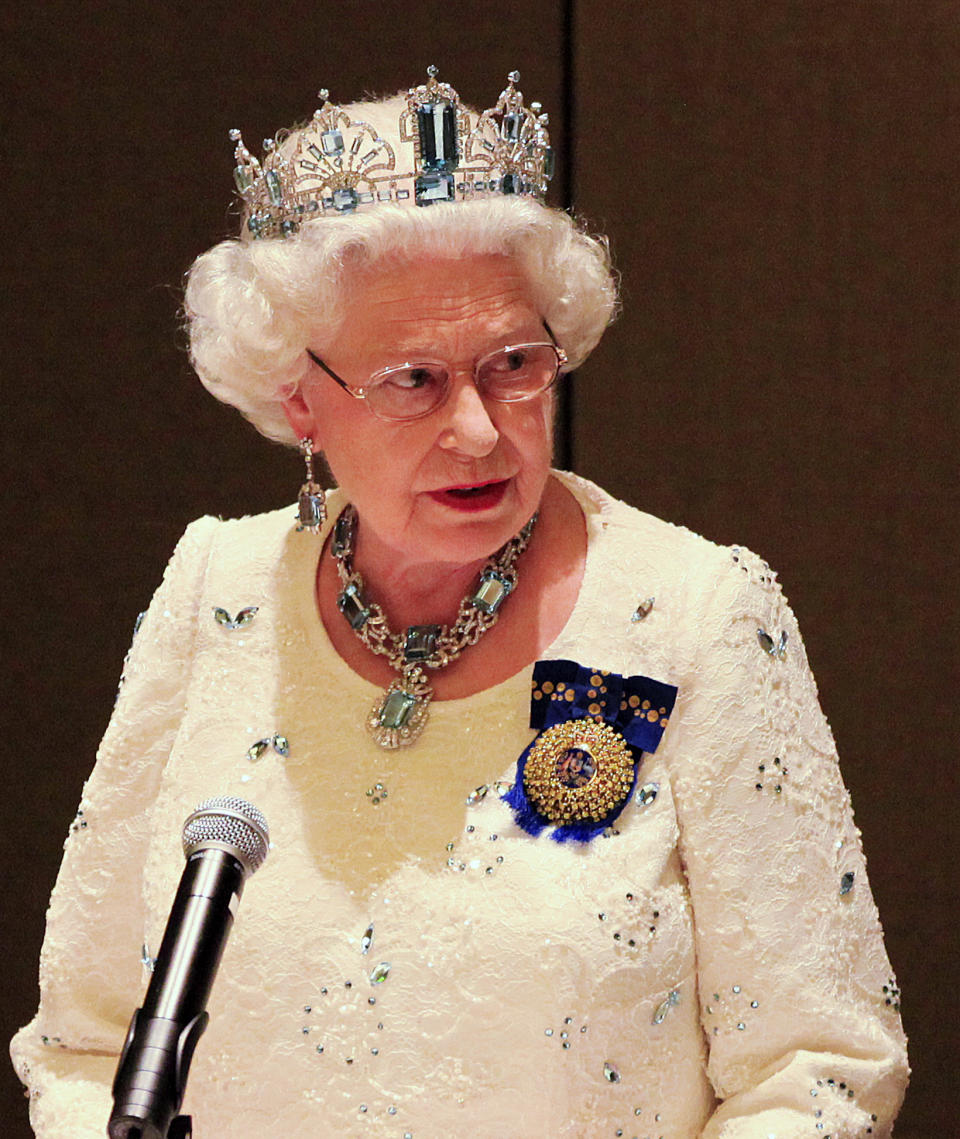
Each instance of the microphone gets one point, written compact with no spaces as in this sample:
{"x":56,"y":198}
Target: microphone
{"x":224,"y":840}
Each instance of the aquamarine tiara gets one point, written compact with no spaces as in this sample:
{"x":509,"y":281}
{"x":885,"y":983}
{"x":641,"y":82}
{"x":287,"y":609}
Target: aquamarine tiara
{"x":335,"y":165}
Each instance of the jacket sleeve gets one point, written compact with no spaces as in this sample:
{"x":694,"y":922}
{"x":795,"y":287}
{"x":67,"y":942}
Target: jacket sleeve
{"x":798,"y":1002}
{"x":91,"y":975}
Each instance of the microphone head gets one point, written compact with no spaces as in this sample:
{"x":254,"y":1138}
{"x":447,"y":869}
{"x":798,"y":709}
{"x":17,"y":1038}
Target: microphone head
{"x":228,"y":823}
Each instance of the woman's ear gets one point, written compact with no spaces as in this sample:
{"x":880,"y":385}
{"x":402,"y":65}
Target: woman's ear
{"x":299,"y":415}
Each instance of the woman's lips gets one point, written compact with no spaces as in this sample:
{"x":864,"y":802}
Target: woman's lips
{"x":471,"y":497}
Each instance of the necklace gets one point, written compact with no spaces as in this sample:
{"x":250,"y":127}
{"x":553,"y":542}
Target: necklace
{"x":400,"y":714}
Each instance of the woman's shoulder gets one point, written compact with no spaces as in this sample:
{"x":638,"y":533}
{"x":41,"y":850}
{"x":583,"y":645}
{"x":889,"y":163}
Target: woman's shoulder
{"x":250,"y":536}
{"x":216,"y":553}
{"x":634,"y":554}
{"x":629,"y":534}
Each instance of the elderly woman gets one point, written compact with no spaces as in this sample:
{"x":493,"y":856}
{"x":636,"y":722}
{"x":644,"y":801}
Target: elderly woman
{"x":559,"y":842}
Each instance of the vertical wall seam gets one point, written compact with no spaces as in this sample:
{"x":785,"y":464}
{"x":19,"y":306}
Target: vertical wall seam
{"x":566,"y":402}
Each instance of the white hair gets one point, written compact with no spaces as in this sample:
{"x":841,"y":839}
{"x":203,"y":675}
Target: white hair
{"x":253,"y":306}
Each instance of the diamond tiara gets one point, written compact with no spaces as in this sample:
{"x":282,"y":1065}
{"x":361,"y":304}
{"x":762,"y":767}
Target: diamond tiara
{"x":335,"y":165}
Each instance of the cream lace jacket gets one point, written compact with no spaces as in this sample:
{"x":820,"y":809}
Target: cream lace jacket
{"x":410,"y":961}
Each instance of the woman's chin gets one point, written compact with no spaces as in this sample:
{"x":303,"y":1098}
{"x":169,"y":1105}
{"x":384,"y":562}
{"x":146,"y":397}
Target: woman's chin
{"x":464,"y":527}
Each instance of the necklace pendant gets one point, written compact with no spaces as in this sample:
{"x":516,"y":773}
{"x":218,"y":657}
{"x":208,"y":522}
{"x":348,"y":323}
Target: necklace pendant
{"x":400,"y":714}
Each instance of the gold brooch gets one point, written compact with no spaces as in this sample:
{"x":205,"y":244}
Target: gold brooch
{"x":578,"y":771}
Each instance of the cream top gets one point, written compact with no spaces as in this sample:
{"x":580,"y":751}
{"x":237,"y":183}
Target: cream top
{"x":708,"y":968}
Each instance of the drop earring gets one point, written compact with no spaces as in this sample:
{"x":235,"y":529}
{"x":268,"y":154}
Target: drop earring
{"x":311,"y":503}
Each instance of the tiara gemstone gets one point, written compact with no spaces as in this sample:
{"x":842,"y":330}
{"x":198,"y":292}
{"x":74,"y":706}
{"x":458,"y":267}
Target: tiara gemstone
{"x":332,"y":142}
{"x":437,"y":125}
{"x":430,"y":188}
{"x":510,"y":128}
{"x":345,"y":199}
{"x":274,"y":189}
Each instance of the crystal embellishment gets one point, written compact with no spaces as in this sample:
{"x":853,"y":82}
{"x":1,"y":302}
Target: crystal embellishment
{"x":243,"y":617}
{"x":647,"y":794}
{"x":643,"y":609}
{"x":376,"y":794}
{"x":846,"y":882}
{"x":380,"y":973}
{"x":776,"y":649}
{"x":611,"y":1073}
{"x":342,"y":534}
{"x":279,"y":743}
{"x":665,"y":1006}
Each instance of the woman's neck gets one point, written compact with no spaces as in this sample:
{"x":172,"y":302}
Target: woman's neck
{"x":549,"y":575}
{"x":415,"y":593}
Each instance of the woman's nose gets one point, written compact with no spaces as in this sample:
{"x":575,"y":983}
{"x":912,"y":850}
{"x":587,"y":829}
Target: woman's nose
{"x":468,"y":427}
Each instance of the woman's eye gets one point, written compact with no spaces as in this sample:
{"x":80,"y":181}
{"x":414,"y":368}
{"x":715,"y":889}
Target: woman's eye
{"x":413,"y":380}
{"x":509,"y":362}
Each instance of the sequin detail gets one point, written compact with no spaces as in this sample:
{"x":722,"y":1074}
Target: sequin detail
{"x":771,"y":776}
{"x":377,"y":793}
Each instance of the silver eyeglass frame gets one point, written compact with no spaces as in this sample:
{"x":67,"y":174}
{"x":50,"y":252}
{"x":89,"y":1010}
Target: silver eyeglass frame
{"x":384,"y":374}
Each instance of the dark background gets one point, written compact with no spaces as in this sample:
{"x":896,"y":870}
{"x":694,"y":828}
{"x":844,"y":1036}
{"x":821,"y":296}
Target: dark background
{"x":779,"y":181}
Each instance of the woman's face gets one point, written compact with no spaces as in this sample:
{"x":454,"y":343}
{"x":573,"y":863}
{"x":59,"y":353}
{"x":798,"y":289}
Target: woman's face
{"x":414,"y":483}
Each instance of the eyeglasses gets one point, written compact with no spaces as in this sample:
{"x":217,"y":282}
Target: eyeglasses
{"x":411,"y":391}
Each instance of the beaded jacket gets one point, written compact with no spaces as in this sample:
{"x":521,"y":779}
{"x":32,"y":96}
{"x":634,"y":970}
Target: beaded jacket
{"x":413,"y":960}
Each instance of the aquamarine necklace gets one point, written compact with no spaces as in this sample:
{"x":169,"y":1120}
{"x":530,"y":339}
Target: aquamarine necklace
{"x":400,"y":714}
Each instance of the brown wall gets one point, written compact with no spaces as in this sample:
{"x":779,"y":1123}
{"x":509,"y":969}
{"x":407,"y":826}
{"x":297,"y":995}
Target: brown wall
{"x":779,"y":184}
